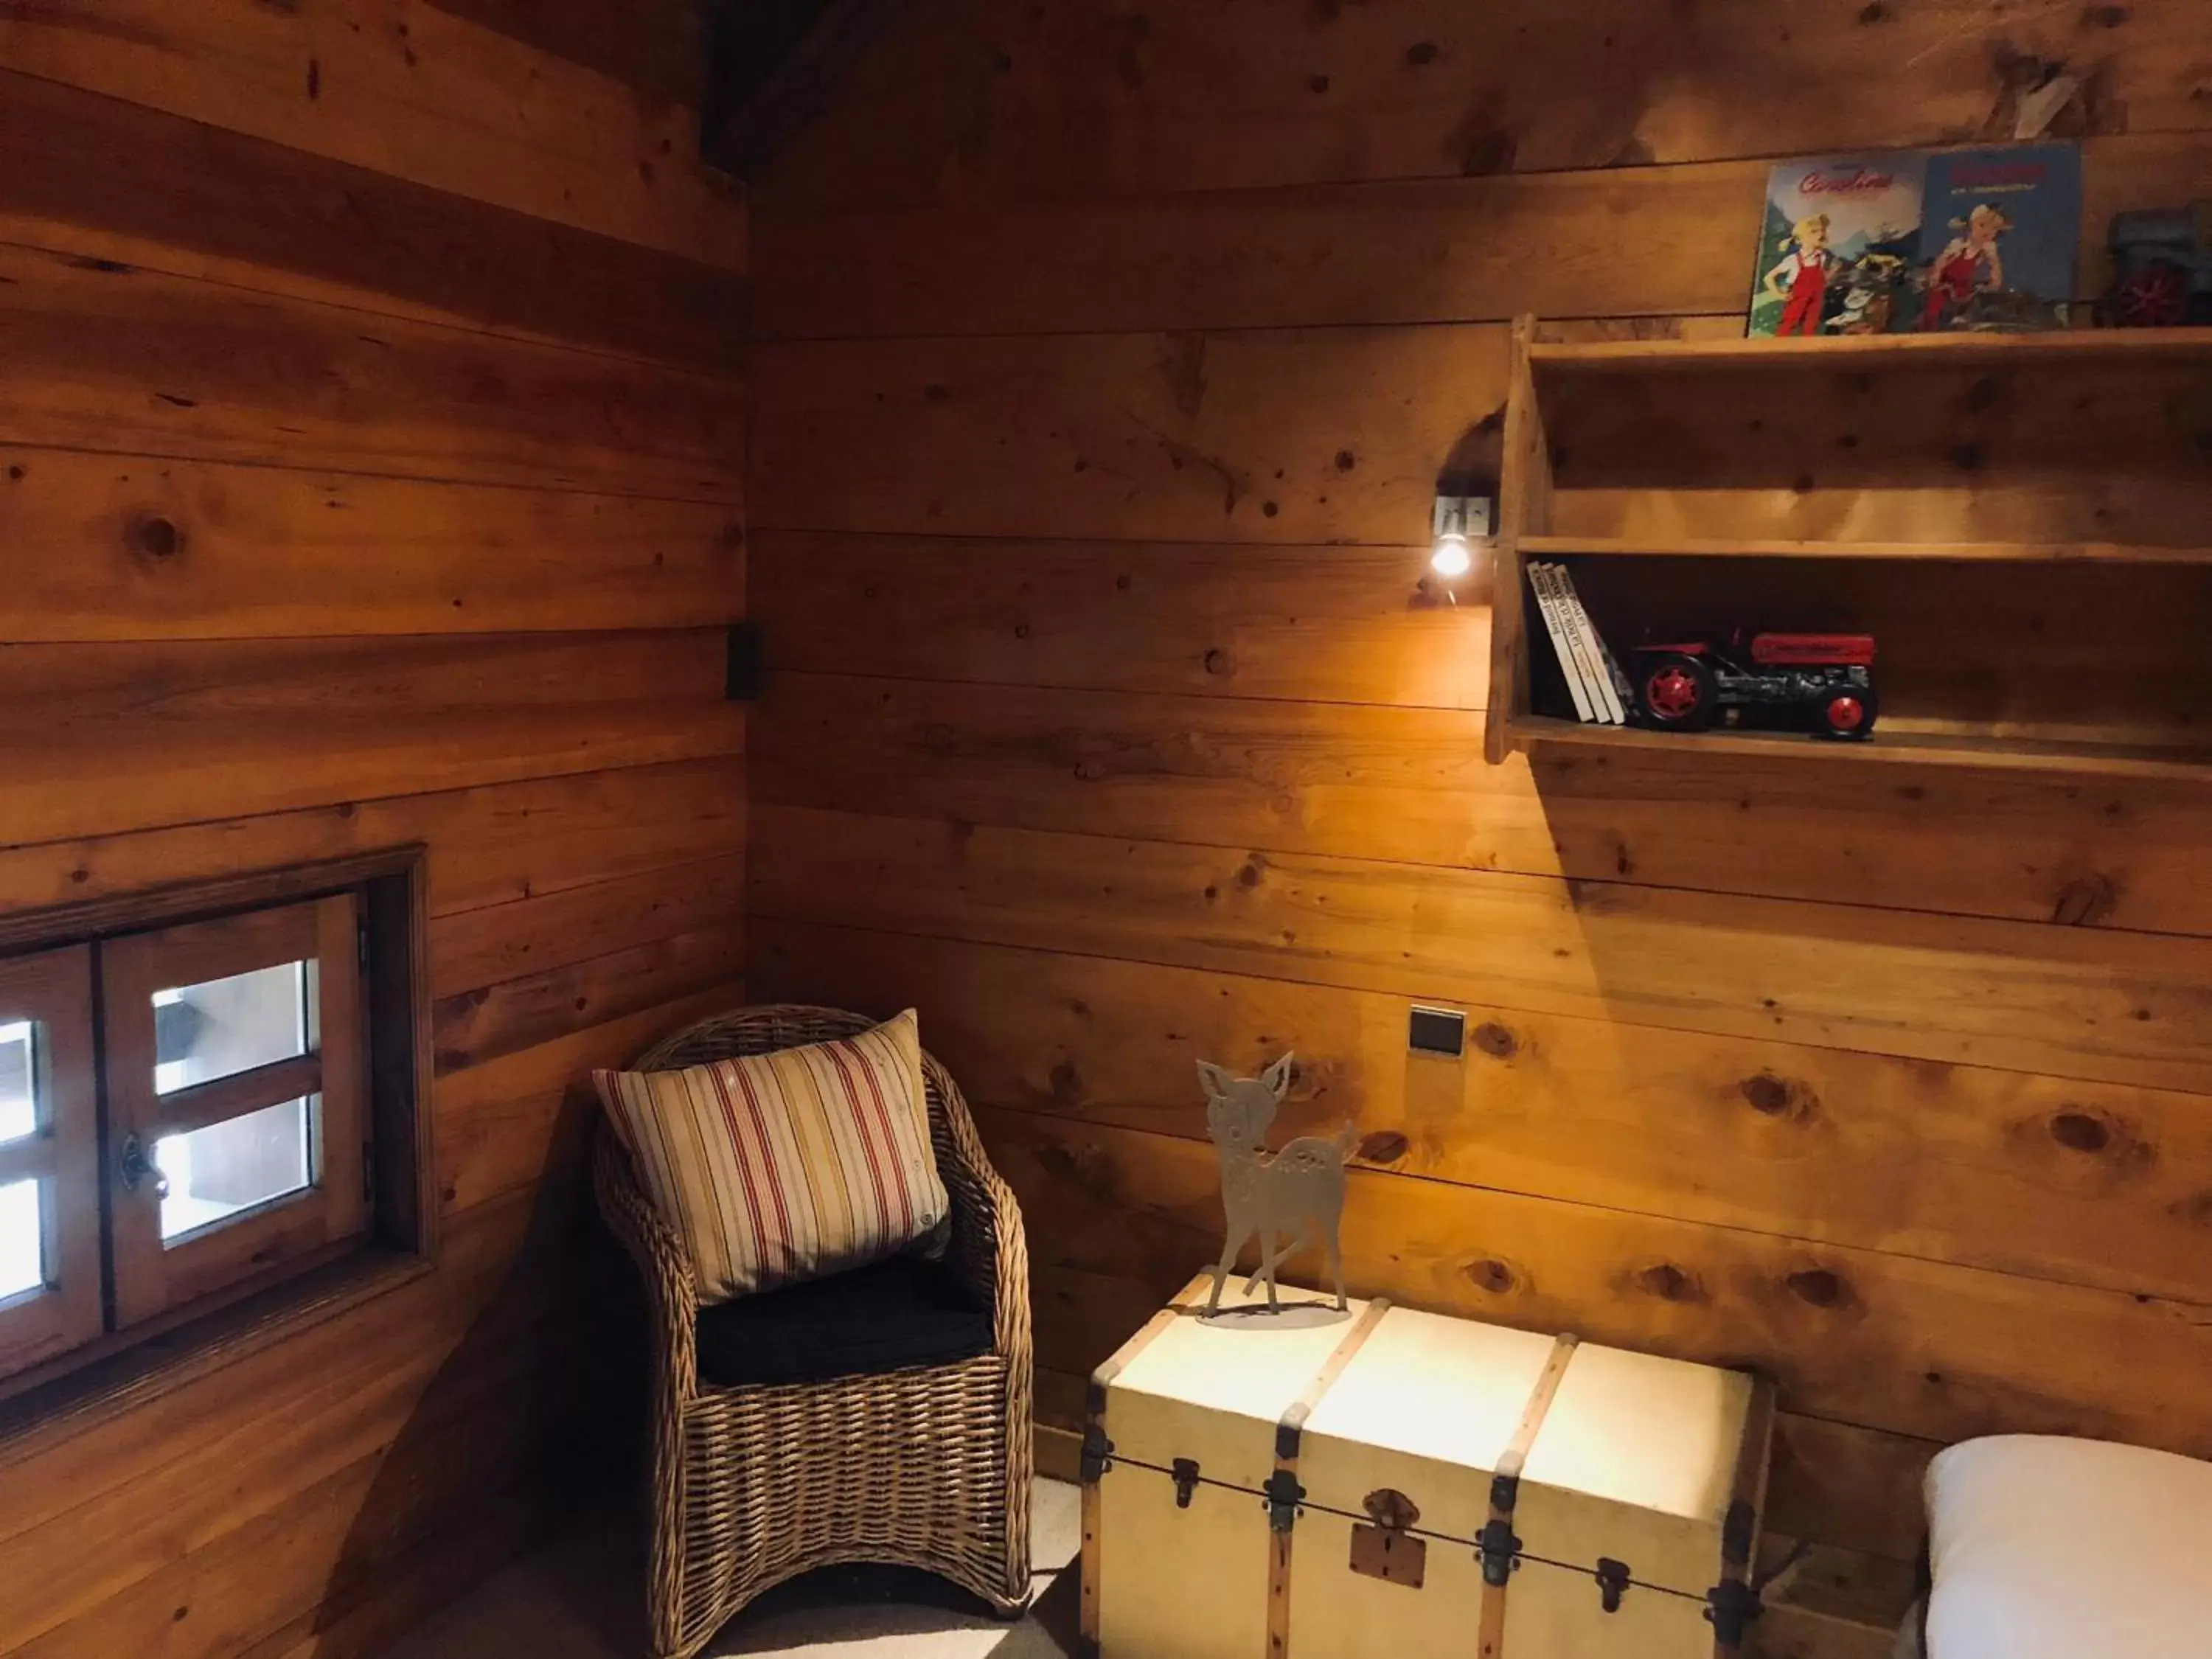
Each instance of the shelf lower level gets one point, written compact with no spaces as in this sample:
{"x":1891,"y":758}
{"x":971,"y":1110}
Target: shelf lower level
{"x":1885,"y":747}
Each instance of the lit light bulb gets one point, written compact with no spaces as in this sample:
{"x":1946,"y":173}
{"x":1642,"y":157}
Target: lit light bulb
{"x":1451,"y":557}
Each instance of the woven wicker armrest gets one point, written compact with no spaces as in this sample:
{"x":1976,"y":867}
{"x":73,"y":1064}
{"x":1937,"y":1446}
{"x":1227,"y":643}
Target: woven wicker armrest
{"x":669,"y":1282}
{"x":989,"y":1249}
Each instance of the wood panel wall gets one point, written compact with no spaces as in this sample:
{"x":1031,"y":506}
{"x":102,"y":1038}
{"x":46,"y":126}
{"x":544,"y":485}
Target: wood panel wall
{"x":1112,"y":356}
{"x":372,"y":472}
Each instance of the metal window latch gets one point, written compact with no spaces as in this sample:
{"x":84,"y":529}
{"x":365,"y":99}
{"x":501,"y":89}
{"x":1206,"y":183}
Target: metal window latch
{"x":1097,"y":1454}
{"x":1284,"y":1497}
{"x":1613,"y":1581}
{"x":135,"y":1166}
{"x":1186,"y":1480}
{"x":1499,"y":1550}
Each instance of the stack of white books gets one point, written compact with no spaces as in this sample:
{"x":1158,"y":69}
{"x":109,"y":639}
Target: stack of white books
{"x":1602,"y":692}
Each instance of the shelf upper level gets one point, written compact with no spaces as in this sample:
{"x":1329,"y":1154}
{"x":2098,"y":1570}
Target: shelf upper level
{"x":1964,"y":552}
{"x":1867,"y":353}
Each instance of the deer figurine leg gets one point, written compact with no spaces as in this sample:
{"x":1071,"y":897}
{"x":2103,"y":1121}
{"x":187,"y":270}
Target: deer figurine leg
{"x":1267,"y":1261}
{"x":1231,"y":1245}
{"x":1335,"y":1259}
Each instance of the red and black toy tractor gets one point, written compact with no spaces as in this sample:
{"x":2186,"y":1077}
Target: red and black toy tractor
{"x":1822,"y":682}
{"x":2161,"y":268}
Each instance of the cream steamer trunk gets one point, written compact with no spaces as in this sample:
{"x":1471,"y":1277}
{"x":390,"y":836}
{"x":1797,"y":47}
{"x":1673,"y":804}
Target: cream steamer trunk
{"x":1378,"y":1482}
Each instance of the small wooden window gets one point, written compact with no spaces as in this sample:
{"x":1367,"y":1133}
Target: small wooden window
{"x":203,"y":1093}
{"x":236,"y":1081}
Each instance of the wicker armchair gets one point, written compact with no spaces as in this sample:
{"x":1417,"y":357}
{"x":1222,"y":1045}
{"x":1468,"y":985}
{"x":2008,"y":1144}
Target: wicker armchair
{"x":927,"y":1468}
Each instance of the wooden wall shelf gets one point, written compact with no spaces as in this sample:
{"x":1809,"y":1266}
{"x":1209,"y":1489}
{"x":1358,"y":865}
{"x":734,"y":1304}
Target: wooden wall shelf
{"x":2066,"y":467}
{"x":1892,"y":747}
{"x":1870,"y":353}
{"x":1964,"y":552}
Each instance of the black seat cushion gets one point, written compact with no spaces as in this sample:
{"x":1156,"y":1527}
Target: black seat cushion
{"x":905,"y":1311}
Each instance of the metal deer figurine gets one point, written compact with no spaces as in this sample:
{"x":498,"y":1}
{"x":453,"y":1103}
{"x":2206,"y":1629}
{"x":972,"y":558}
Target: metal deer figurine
{"x":1297,"y":1193}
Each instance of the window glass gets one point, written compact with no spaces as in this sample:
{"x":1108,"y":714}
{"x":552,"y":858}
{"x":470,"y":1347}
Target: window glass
{"x":217,"y":1172}
{"x":224,"y":1026}
{"x":19,"y":1106}
{"x":22,"y":1254}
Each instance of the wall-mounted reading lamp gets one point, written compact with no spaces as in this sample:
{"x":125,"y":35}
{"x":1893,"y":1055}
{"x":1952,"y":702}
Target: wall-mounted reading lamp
{"x":1461,"y":522}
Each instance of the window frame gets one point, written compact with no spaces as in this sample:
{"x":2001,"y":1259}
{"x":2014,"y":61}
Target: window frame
{"x":52,"y":989}
{"x":121,"y":1365}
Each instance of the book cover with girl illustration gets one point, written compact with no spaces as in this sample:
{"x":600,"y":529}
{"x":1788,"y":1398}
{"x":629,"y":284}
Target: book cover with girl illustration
{"x":2001,"y":231}
{"x":1841,"y":233}
{"x":1918,"y":241}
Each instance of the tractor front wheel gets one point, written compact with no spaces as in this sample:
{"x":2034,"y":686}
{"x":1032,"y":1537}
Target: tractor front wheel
{"x":1846,"y":712}
{"x":1677,"y":693}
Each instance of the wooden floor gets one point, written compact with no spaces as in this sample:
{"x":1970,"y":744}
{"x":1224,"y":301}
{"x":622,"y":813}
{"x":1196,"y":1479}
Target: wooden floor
{"x":581,"y":1598}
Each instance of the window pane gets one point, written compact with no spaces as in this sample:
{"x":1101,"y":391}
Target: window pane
{"x":224,"y":1026}
{"x":23,"y":1259}
{"x":216,"y":1172}
{"x":19,"y":1108}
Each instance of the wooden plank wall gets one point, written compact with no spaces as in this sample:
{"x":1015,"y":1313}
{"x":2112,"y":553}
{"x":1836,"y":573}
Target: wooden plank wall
{"x":372,"y":471}
{"x":1111,"y":357}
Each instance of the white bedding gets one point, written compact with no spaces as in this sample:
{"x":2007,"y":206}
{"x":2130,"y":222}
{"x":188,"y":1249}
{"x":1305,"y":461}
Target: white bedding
{"x":2052,"y":1548}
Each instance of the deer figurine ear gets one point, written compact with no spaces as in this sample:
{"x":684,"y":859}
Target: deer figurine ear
{"x":1277,"y":1077}
{"x":1215,"y":1078}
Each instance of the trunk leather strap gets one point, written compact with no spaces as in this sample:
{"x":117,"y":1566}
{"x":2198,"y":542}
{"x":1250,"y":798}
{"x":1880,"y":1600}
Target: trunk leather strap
{"x":1283,"y":1491}
{"x":1499,"y":1547}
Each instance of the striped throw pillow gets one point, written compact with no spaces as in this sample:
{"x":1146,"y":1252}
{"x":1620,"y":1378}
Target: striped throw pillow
{"x":783,"y":1166}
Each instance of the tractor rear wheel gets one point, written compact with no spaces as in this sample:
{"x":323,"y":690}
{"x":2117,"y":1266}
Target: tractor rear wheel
{"x":1677,"y":693}
{"x":2156,"y":295}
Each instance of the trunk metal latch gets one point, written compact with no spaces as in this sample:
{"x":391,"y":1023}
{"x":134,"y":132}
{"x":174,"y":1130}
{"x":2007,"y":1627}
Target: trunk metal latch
{"x":1186,"y":1480}
{"x":1386,"y":1548}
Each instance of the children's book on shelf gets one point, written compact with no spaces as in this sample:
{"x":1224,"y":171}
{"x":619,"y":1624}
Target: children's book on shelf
{"x":1919,"y":241}
{"x":1840,"y":234}
{"x":1547,"y":593}
{"x":1617,"y":695}
{"x":1999,"y":237}
{"x":1593,"y":679}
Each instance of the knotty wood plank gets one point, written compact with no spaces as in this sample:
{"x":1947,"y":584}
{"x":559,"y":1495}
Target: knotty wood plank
{"x":1337,"y":624}
{"x":407,"y":90}
{"x":161,"y":181}
{"x":495,"y":944}
{"x":654,"y":46}
{"x":471,"y":1028}
{"x":70,"y":1460}
{"x":489,"y":845}
{"x":1407,"y":252}
{"x":122,"y":548}
{"x":1000,"y":99}
{"x":2106,"y":1006}
{"x":520,"y":1121}
{"x":2085,"y":1183}
{"x":371,"y":1611}
{"x":1917,"y":1348}
{"x":118,"y":360}
{"x":1335,"y":435}
{"x":1847,"y":1486}
{"x":201,"y":684}
{"x":258,"y":1576}
{"x":1409,"y":785}
{"x":192,"y":1502}
{"x":1397,"y":252}
{"x":205,"y":749}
